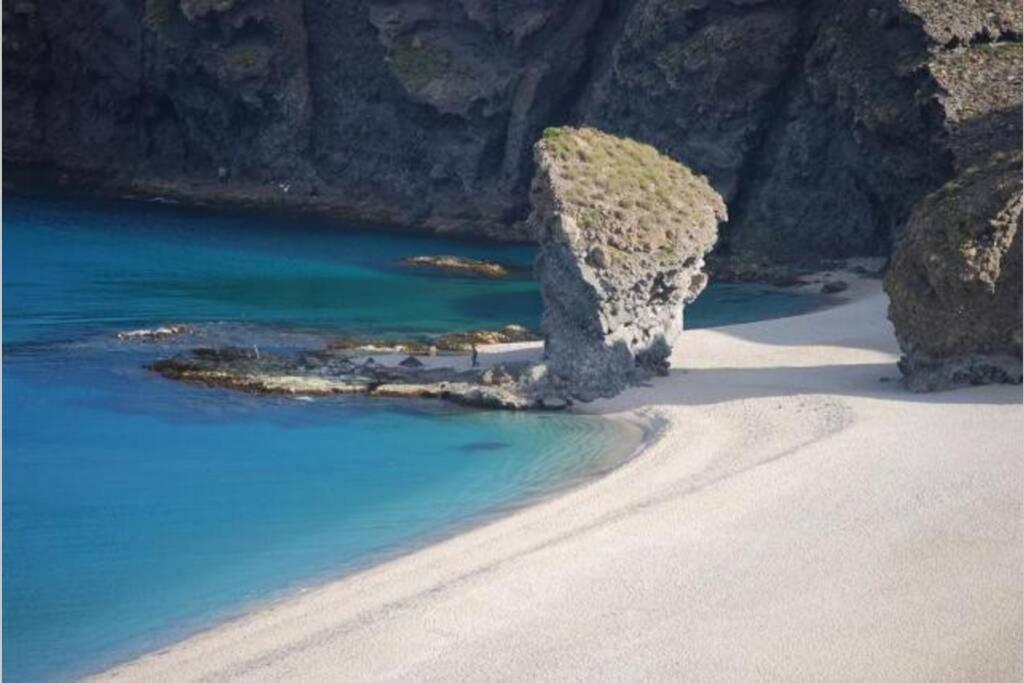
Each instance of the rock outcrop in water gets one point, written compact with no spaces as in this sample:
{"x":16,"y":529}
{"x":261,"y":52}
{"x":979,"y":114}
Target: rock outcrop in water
{"x":821,"y":123}
{"x":459,"y":265}
{"x":623,"y":232}
{"x":508,"y":386}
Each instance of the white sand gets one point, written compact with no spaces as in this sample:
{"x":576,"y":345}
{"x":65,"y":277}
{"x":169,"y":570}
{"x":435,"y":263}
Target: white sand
{"x":797,"y":520}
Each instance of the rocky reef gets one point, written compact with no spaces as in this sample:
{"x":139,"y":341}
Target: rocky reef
{"x":623,"y":232}
{"x":327,"y":372}
{"x":821,"y":123}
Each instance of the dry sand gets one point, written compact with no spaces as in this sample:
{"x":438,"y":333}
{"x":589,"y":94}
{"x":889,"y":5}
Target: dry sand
{"x":797,"y":519}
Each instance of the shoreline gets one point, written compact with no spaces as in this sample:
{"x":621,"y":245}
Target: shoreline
{"x":678,"y":560}
{"x":648,"y":431}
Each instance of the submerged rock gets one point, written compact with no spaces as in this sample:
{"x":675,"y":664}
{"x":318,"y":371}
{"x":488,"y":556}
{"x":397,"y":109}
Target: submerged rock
{"x":459,"y":265}
{"x":954,"y":282}
{"x":623,"y":232}
{"x":155,"y":334}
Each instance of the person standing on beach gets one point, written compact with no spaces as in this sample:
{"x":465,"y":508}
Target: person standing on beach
{"x":475,"y":358}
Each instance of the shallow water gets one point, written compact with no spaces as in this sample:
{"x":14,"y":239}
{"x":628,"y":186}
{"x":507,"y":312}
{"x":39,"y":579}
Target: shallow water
{"x":138,"y":509}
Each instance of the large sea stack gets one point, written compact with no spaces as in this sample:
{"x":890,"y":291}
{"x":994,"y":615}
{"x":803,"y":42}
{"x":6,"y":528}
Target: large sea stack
{"x":623,"y":232}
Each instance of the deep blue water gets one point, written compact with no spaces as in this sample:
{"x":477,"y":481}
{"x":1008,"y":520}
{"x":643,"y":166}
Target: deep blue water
{"x":137,"y":509}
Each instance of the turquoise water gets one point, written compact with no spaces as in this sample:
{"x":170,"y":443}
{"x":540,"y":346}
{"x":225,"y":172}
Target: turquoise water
{"x":137,"y":509}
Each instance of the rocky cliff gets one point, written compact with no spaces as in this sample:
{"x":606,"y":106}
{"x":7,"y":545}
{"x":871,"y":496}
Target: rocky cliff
{"x":954,"y":281}
{"x":623,"y":232}
{"x":821,"y":122}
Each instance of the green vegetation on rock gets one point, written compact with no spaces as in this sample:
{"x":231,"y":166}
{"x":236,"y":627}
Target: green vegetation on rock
{"x":244,"y":58}
{"x":416,"y":66}
{"x":605,"y":181}
{"x":165,"y":19}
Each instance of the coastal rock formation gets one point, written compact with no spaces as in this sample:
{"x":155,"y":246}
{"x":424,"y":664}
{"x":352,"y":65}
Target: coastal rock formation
{"x":821,"y":123}
{"x":955,"y":281}
{"x":414,"y":112}
{"x":623,"y":232}
{"x":509,"y":386}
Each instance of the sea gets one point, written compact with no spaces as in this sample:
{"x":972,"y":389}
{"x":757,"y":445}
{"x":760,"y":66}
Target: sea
{"x":138,"y":510}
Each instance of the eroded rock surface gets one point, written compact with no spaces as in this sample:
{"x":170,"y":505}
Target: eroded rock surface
{"x":623,"y":232}
{"x":955,"y":281}
{"x":821,"y":123}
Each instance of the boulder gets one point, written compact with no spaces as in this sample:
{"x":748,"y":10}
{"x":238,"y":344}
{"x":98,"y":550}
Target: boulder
{"x":954,"y":281}
{"x":623,"y":232}
{"x":835,"y":287}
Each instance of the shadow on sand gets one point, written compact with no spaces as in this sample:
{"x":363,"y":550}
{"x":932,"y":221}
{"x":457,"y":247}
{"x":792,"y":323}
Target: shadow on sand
{"x":696,"y":387}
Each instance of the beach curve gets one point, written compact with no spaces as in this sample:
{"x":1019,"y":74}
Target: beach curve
{"x":801,"y":515}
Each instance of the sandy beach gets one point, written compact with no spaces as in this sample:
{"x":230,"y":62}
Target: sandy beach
{"x":800,"y":516}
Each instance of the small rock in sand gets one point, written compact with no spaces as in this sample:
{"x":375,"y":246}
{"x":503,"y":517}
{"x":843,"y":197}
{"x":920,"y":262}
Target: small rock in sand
{"x":834,"y":287}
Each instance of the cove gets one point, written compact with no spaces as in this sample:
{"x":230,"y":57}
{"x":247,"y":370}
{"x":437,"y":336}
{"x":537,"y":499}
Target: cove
{"x":138,"y":510}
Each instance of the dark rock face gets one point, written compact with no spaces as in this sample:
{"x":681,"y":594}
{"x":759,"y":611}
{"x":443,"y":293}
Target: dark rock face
{"x":623,"y":232}
{"x":821,"y":123}
{"x":955,"y":281}
{"x":415,"y":111}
